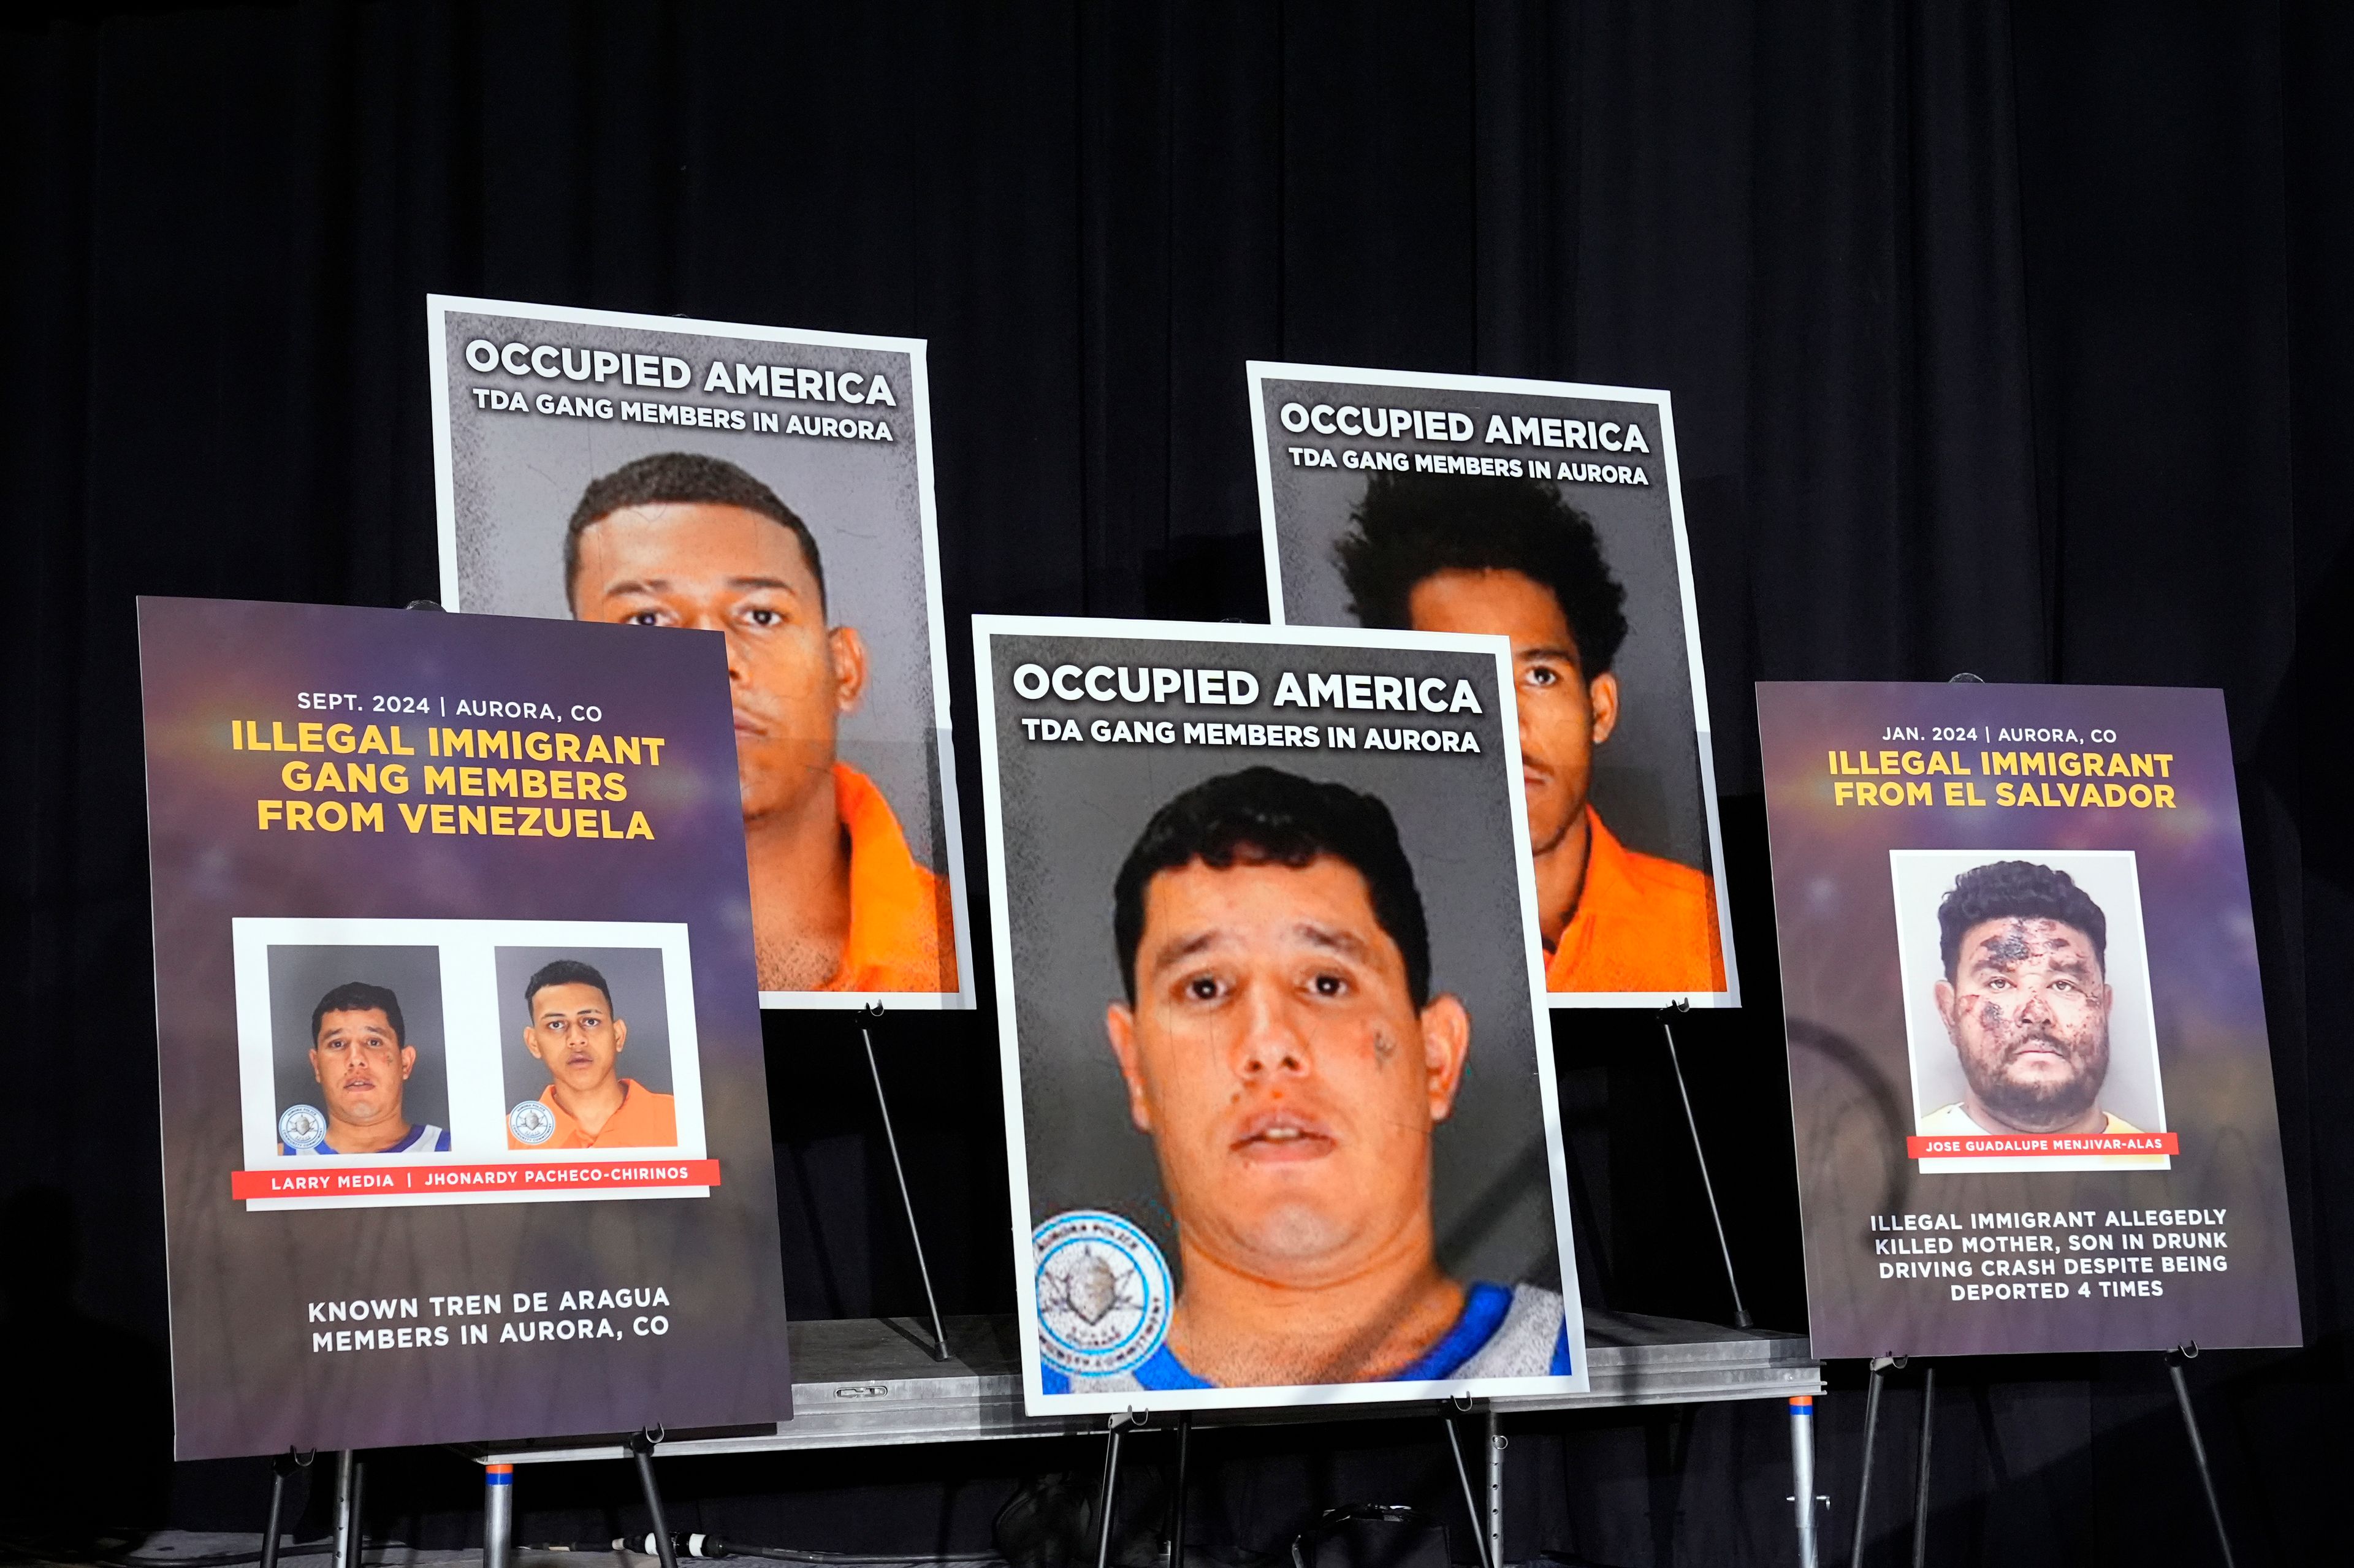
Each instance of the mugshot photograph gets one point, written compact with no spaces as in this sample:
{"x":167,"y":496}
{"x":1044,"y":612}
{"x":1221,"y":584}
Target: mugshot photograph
{"x":684,"y":539}
{"x":1583,"y":569}
{"x":778,"y":495}
{"x":2029,"y":1011}
{"x":357,"y":1051}
{"x":1285,"y":1124}
{"x":586,"y":1049}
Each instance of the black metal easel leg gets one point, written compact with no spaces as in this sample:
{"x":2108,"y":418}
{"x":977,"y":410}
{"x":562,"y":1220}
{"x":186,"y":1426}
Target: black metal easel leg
{"x":280,"y":1468}
{"x":2198,"y":1447}
{"x":1921,"y":1481}
{"x":642,"y":1449}
{"x":1880,"y":1365}
{"x":1492,"y":1433}
{"x":1177,"y":1494}
{"x":1740,"y":1313}
{"x":1107,"y":1494}
{"x":891,"y":1140}
{"x":349,"y":1474}
{"x":1463,"y":1474}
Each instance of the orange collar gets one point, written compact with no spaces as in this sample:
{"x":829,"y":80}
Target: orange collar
{"x":900,"y":936}
{"x":1642,"y":924}
{"x":1606,"y":891}
{"x":644,"y":1120}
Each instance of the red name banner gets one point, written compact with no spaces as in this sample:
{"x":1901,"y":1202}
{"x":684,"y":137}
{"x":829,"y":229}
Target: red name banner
{"x":2010,"y":1145}
{"x":342,"y":1180}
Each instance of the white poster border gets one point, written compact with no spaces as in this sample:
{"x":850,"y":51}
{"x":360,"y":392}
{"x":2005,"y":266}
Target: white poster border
{"x":2128,"y":936}
{"x":437,"y":308}
{"x":471,"y":1048}
{"x":1258,"y":372}
{"x":1036,"y":1400}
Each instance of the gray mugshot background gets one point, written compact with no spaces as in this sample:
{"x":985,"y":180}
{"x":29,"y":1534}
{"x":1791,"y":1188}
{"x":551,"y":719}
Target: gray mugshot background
{"x":516,"y":479}
{"x":1922,"y":878}
{"x":1647,"y":779}
{"x":300,"y":976}
{"x":639,"y":1001}
{"x":1072,"y":810}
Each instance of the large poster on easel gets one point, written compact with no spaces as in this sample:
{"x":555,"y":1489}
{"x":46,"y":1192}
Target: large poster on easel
{"x":1278,"y":1085}
{"x":464,"y":1114}
{"x":774,"y":485}
{"x":1549,"y":513}
{"x":2029,"y":1065}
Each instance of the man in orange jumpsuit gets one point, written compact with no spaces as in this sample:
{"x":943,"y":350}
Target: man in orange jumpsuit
{"x":587,"y":1104}
{"x":1447,"y":553}
{"x":838,"y":902}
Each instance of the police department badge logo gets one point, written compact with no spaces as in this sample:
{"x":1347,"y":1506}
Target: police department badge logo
{"x":1104,"y":1294}
{"x":302,"y":1128}
{"x":532,"y":1123}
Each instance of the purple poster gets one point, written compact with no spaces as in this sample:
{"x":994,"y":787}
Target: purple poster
{"x":2029,"y":1066}
{"x":466,"y":1126}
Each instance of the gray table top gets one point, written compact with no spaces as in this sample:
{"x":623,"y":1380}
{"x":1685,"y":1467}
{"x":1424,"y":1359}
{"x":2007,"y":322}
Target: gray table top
{"x":862,"y":1381}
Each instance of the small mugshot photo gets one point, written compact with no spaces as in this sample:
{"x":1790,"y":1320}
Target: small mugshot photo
{"x":1547,"y":513}
{"x":2027,"y":1002}
{"x":585,"y":1051}
{"x":490,"y":1042}
{"x":357,"y":1051}
{"x":775,"y":487}
{"x":1271,"y":1011}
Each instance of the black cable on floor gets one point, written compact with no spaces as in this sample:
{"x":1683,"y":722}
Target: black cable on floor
{"x":701,"y":1545}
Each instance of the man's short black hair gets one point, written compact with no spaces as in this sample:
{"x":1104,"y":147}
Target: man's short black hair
{"x":1264,"y":816}
{"x":2017,"y":890}
{"x":683,"y":479}
{"x":1412,"y":526}
{"x":563,"y":971}
{"x":358,"y":996}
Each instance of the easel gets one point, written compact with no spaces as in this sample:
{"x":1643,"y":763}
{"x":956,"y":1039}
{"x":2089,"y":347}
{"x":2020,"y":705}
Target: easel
{"x":1741,"y":1319}
{"x":280,"y":1468}
{"x":641,"y":1454}
{"x":2174,"y":1360}
{"x":498,"y":1512}
{"x":873,"y":1011}
{"x":499,"y":1503}
{"x":1108,"y":1493}
{"x":1883,"y":1365}
{"x":349,"y":1474}
{"x":1487,"y":1524}
{"x":1107,"y":1490}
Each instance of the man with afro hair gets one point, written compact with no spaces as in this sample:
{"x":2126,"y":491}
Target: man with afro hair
{"x":1453,"y":552}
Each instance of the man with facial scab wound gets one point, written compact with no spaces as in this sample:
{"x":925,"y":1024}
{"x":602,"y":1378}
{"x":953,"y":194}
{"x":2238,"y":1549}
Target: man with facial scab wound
{"x":2026,"y":1002}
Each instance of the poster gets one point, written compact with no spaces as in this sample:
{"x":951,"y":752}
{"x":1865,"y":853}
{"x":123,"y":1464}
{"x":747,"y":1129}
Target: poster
{"x":465,"y":1118}
{"x":776,"y":486}
{"x":1550,"y":513}
{"x":1279,"y":1081}
{"x":2028,"y":1056}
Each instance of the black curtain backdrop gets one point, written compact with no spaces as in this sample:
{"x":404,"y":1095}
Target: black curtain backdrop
{"x":2009,"y":339}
